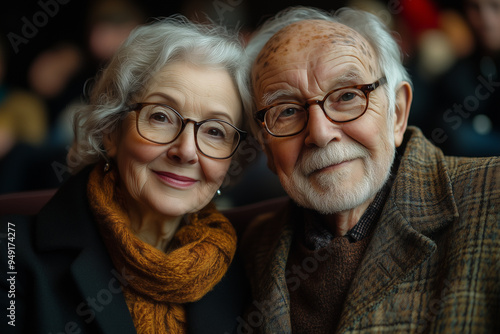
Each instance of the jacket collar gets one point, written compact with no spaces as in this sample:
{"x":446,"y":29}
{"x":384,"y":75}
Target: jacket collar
{"x":265,"y":250}
{"x":66,"y":224}
{"x":420,"y":204}
{"x":423,"y":180}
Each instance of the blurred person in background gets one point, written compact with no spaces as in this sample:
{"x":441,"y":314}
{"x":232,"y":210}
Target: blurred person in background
{"x":24,"y":128}
{"x":53,"y":81}
{"x":110,"y":22}
{"x":23,"y":115}
{"x":51,"y":76}
{"x":463,"y":110}
{"x":432,"y":38}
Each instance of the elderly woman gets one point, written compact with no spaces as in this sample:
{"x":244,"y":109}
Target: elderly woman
{"x":131,"y":242}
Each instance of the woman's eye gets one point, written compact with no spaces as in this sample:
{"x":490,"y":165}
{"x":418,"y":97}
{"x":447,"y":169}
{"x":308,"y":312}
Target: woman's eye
{"x":347,"y":97}
{"x":159,"y":117}
{"x":215,"y":133}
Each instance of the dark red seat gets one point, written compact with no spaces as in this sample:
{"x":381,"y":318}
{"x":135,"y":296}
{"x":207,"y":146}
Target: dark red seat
{"x":25,"y":203}
{"x":30,"y":203}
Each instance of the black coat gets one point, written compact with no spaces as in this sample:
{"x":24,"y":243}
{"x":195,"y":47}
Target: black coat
{"x":60,"y":278}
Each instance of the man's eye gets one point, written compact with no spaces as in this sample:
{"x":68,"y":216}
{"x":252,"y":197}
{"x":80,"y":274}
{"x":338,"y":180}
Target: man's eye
{"x":288,"y":112}
{"x":347,"y":97}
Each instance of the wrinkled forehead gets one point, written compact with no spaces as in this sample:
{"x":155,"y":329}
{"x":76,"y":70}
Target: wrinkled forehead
{"x":299,"y":38}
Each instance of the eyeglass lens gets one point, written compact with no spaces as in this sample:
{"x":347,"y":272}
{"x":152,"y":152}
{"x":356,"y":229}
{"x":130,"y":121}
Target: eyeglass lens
{"x":340,"y":105}
{"x":162,"y":125}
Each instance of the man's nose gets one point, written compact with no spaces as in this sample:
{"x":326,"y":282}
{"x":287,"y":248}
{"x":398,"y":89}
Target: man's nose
{"x":320,"y":130}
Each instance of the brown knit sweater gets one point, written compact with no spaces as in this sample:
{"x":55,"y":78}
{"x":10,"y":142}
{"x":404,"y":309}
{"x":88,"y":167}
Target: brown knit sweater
{"x":318,"y":282}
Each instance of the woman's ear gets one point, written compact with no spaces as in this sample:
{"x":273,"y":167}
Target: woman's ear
{"x":110,"y":142}
{"x":404,"y":96}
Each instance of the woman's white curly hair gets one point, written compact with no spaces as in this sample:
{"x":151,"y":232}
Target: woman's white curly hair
{"x":146,"y":51}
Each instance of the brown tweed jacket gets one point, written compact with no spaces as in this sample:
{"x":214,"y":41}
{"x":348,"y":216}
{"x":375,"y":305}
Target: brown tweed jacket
{"x":432,"y":266}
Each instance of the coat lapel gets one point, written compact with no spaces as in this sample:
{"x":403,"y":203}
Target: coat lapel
{"x":421,"y":202}
{"x":270,"y":309}
{"x":101,"y":287}
{"x":274,"y":287}
{"x":65,"y":224}
{"x":395,"y":251}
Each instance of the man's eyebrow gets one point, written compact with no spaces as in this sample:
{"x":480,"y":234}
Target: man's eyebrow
{"x":347,"y":78}
{"x":350,"y":77}
{"x":270,"y":98}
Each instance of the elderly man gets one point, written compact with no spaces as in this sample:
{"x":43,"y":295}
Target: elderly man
{"x":383,"y":233}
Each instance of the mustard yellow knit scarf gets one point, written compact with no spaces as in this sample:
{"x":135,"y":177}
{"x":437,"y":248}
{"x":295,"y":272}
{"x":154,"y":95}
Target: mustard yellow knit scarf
{"x":162,"y":282}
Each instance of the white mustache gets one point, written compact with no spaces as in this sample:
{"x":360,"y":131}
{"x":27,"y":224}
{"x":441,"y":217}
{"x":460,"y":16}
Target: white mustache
{"x":335,"y":153}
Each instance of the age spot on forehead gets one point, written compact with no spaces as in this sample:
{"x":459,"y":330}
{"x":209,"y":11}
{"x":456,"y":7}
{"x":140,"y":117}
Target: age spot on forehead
{"x":349,"y":41}
{"x":271,"y":47}
{"x":370,"y":68}
{"x":365,"y":49}
{"x":301,"y":36}
{"x":256,"y":77}
{"x":303,"y":43}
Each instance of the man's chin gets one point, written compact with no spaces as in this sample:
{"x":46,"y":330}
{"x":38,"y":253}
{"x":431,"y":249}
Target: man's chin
{"x":330,"y":199}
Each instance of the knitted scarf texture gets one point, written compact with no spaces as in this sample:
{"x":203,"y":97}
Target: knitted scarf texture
{"x":161,"y":282}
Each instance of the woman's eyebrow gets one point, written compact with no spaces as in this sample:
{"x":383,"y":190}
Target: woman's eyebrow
{"x":219,"y":114}
{"x":163,"y":96}
{"x":216,"y":113}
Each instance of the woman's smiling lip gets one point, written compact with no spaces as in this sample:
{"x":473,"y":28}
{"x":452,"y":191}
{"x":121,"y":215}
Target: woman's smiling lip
{"x":176,"y":181}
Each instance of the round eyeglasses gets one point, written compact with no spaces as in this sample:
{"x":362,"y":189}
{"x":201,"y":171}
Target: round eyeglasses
{"x":341,"y":105}
{"x":161,"y":124}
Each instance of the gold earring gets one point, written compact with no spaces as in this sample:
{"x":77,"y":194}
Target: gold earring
{"x":106,"y":167}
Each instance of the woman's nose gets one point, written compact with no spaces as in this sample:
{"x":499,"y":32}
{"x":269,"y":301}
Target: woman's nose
{"x":183,"y":149}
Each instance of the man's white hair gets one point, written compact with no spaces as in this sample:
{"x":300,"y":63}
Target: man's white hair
{"x":388,"y":53}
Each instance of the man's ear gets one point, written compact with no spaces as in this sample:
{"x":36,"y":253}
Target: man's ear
{"x":262,"y":137}
{"x":404,"y":96}
{"x":270,"y":159}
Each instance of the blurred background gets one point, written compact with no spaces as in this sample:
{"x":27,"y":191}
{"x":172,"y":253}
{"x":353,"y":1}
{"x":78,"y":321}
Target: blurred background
{"x":50,"y":48}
